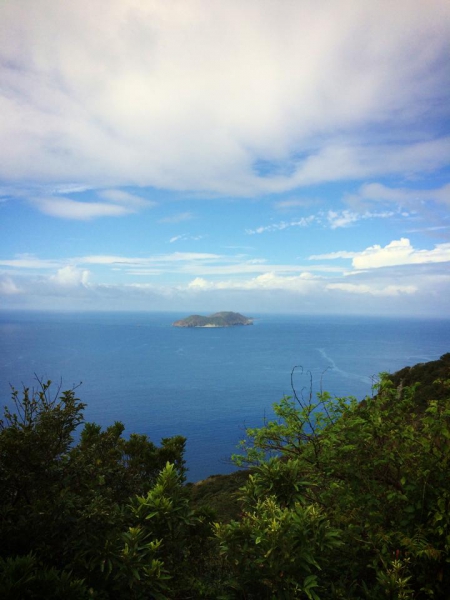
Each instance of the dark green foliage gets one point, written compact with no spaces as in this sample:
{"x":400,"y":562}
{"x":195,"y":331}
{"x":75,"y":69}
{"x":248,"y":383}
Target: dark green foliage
{"x":344,"y":500}
{"x":67,"y":503}
{"x":23,"y":578}
{"x":221,"y":494}
{"x":430,"y":376}
{"x":274,"y":551}
{"x":165,"y":514}
{"x":34,"y":442}
{"x":379,"y":471}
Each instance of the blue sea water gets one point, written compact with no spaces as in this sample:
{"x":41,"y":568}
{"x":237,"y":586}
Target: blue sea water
{"x":205,"y":384}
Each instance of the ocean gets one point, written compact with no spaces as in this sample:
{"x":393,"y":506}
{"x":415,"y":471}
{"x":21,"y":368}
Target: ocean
{"x":206,"y":384}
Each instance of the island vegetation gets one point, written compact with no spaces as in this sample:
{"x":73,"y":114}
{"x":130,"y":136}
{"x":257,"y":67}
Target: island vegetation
{"x":337,"y":499}
{"x":220,"y":319}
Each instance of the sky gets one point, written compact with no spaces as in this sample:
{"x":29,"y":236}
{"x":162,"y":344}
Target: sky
{"x":205,"y":155}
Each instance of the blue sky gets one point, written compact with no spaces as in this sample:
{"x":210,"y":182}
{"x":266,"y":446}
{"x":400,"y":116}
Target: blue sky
{"x":194,"y":155}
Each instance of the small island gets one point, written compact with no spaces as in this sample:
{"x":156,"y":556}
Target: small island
{"x":220,"y":319}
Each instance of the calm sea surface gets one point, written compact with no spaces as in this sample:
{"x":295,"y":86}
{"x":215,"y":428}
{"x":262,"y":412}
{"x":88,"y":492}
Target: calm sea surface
{"x":205,"y":384}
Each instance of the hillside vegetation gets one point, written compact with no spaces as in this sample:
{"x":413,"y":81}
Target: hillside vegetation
{"x":340,"y":500}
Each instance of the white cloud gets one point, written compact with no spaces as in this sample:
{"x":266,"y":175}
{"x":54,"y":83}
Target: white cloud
{"x":70,"y":276}
{"x":303,"y":222}
{"x":185,"y":237}
{"x":8,"y":287}
{"x":354,"y":160}
{"x":345,"y":218}
{"x":199,"y":283}
{"x":105,"y":259}
{"x":162,"y":260}
{"x":300,"y":284}
{"x":201,"y":264}
{"x":333,"y":255}
{"x":65,"y":208}
{"x":400,"y":252}
{"x":126,"y":199}
{"x":389,"y":290}
{"x":185,"y":96}
{"x":398,"y":291}
{"x":29,"y":261}
{"x":118,"y":203}
{"x":408,"y":197}
{"x":332,"y":219}
{"x":397,"y":252}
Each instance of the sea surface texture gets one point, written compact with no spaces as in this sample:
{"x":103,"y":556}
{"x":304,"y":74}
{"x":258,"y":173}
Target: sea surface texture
{"x":205,"y":384}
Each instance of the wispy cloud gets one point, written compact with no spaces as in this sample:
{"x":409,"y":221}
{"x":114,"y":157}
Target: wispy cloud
{"x":8,"y":287}
{"x":333,"y":255}
{"x":332,"y":219}
{"x":185,"y":238}
{"x":174,"y":257}
{"x":178,"y":218}
{"x":201,"y":277}
{"x":178,"y":263}
{"x":155,"y":95}
{"x":114,"y":203}
{"x":30,"y":261}
{"x":352,"y":161}
{"x":303,"y":283}
{"x":406,"y":197}
{"x":64,"y":208}
{"x":109,"y":113}
{"x":345,"y":218}
{"x":126,"y":199}
{"x":364,"y":289}
{"x":302,"y":222}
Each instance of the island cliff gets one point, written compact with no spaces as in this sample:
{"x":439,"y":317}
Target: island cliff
{"x":220,"y":319}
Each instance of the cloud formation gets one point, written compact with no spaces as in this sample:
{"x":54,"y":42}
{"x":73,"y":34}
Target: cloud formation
{"x":389,"y":290}
{"x":378,"y":193}
{"x":345,"y":218}
{"x":170,"y":95}
{"x":8,"y":287}
{"x":332,"y":219}
{"x":113,"y":203}
{"x":126,"y":199}
{"x":395,"y":278}
{"x":70,"y":276}
{"x":397,"y":252}
{"x":185,"y":237}
{"x":300,"y":284}
{"x":66,"y":208}
{"x":303,"y":222}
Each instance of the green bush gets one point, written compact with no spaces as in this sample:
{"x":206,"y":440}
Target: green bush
{"x":344,"y":500}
